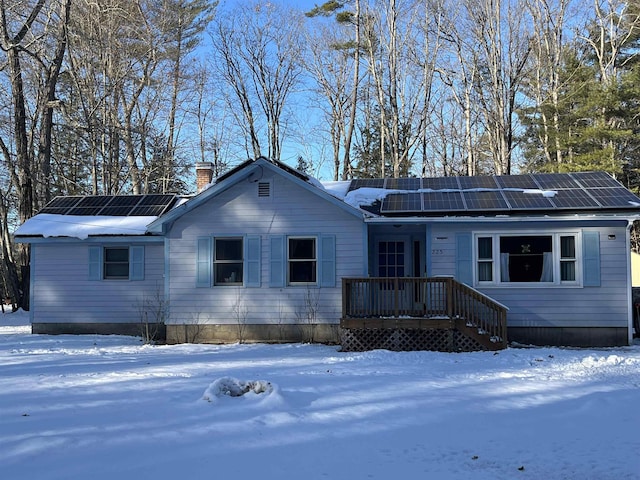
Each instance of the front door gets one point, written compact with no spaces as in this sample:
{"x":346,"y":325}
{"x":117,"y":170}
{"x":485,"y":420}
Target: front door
{"x":393,"y":259}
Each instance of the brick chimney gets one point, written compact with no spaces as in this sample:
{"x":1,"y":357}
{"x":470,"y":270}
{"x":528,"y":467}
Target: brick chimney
{"x":204,"y":174}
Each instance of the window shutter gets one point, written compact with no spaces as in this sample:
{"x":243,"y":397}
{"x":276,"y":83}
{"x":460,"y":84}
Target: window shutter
{"x":95,"y":263}
{"x":252,"y":261}
{"x":591,"y":259}
{"x":204,"y":263}
{"x":327,"y":261}
{"x":136,"y":262}
{"x":464,"y":258}
{"x":277,"y":262}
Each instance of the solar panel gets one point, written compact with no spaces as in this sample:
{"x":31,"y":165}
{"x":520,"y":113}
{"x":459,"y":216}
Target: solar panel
{"x":148,"y":210}
{"x":54,"y":210}
{"x":442,"y":201}
{"x":61,"y":202}
{"x":116,"y":211}
{"x":476,"y":182}
{"x":111,"y":205}
{"x":125,"y":200}
{"x":83,"y":211}
{"x":614,"y":197}
{"x":402,"y":202}
{"x":519,"y":200}
{"x":366,"y":183}
{"x":595,"y":179}
{"x":573,"y":198}
{"x":516,"y":181}
{"x":403,"y":183}
{"x":553,"y":181}
{"x":94,"y":201}
{"x":440,"y":183}
{"x":60,"y":205}
{"x":485,"y":200}
{"x":156,"y":199}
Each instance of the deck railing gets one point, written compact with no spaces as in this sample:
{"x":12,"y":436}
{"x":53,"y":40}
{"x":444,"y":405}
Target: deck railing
{"x":418,"y":297}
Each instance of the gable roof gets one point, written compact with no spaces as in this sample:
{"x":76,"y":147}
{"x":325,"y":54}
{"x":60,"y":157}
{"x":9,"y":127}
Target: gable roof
{"x":253,"y":171}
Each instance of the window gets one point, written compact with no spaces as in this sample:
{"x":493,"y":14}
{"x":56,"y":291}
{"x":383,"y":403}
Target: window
{"x":116,"y":263}
{"x":228,"y":261}
{"x":485,"y":259}
{"x":391,"y":258}
{"x":302,"y":260}
{"x":568,"y":258}
{"x":517,"y":259}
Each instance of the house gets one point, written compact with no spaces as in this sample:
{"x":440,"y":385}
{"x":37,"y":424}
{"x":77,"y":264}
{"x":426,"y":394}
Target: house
{"x":267,"y":253}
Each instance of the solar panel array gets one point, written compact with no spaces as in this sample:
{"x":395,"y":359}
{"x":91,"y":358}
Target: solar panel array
{"x":152,"y":205}
{"x":537,"y":191}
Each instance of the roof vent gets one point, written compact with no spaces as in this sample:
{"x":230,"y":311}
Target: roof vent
{"x":264,"y":189}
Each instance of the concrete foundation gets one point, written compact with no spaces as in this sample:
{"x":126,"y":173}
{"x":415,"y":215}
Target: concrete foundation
{"x":286,"y":333}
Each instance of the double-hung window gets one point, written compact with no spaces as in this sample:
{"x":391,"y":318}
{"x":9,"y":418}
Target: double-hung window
{"x":116,"y":263}
{"x":526,"y":259}
{"x":302,"y":260}
{"x":228,"y":261}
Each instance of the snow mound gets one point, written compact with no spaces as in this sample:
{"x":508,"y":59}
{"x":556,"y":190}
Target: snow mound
{"x":232,"y":387}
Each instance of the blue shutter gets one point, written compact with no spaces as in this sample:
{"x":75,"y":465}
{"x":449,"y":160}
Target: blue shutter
{"x":252,"y":261}
{"x":327,"y":261}
{"x":136,"y":262}
{"x":95,"y":263}
{"x":591,"y":259}
{"x":464,"y":258}
{"x":276,"y":261}
{"x":204,"y":263}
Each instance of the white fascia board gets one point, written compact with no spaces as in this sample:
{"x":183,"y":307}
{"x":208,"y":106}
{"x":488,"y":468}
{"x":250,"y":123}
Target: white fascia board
{"x":128,"y":239}
{"x":500,"y":219}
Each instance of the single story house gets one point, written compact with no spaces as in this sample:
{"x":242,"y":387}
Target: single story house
{"x":265,"y":253}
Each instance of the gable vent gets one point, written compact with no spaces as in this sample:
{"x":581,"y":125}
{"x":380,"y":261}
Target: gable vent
{"x":264,"y":189}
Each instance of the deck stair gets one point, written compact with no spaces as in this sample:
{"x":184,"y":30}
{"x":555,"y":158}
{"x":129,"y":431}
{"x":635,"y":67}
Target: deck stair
{"x":416,"y":313}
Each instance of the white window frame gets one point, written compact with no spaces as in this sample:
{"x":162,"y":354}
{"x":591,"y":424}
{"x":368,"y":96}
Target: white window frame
{"x":555,"y":245}
{"x":217,"y":262}
{"x":289,"y":260}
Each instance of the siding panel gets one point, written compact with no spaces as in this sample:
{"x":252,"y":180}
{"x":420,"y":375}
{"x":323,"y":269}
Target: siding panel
{"x":291,"y":210}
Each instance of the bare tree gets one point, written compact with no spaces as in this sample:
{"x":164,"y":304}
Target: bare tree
{"x":501,"y":36}
{"x":259,"y":56}
{"x":331,"y":67}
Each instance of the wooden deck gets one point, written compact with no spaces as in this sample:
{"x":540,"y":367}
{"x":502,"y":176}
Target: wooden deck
{"x":418,"y":313}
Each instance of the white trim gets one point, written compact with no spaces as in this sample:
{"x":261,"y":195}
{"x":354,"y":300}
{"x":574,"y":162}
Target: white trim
{"x":227,"y":262}
{"x":577,"y":217}
{"x":555,"y":245}
{"x":287,"y":260}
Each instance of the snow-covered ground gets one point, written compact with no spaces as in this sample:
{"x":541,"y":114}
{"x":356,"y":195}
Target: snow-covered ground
{"x":108,"y":407}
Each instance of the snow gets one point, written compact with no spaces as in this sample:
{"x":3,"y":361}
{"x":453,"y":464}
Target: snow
{"x":109,"y":407}
{"x":83,"y":226}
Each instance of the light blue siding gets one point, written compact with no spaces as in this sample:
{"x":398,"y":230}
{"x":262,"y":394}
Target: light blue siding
{"x":291,"y":210}
{"x":55,"y":296}
{"x":603,"y":305}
